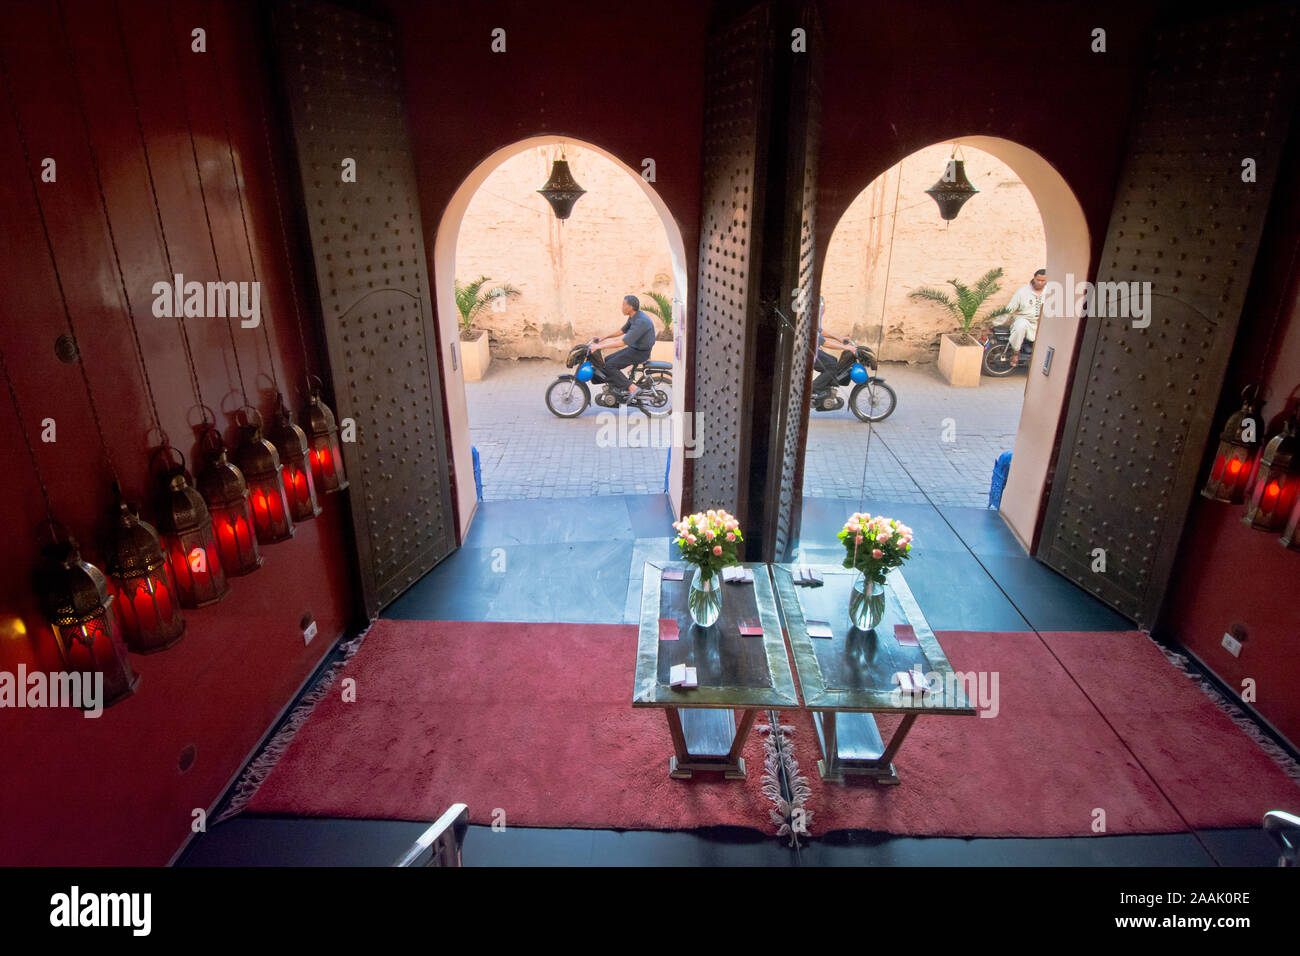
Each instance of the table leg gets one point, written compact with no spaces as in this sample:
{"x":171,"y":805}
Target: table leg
{"x":708,"y":739}
{"x":858,"y":748}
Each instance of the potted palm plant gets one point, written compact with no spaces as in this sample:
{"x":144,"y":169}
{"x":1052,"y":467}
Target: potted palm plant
{"x":960,"y":354}
{"x":471,"y":299}
{"x":662,"y":306}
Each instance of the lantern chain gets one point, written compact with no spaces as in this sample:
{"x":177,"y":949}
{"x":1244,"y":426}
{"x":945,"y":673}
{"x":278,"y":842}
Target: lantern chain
{"x":198,"y":171}
{"x":157,"y":207}
{"x":54,"y":264}
{"x":22,"y":428}
{"x":284,"y":239}
{"x":239,"y":193}
{"x":108,"y":221}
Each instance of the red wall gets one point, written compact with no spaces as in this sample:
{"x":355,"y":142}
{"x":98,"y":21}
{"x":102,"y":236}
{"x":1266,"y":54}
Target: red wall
{"x":78,"y":791}
{"x":1230,"y":576}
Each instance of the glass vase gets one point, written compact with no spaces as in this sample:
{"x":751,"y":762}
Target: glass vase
{"x":705,"y":598}
{"x":866,"y":603}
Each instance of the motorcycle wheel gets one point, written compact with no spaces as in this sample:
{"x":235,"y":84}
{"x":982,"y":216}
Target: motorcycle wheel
{"x":997,"y":360}
{"x":567,"y":397}
{"x":878,"y":404}
{"x":656,"y":400}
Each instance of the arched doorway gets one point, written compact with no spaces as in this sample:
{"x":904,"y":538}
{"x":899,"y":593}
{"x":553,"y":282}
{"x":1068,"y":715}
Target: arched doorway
{"x":446,"y":274}
{"x":1064,"y":238}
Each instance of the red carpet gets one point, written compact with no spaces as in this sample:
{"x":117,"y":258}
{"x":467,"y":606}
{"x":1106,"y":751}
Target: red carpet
{"x":534,"y":722}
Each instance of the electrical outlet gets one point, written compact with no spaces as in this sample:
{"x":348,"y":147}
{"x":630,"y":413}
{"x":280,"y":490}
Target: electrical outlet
{"x":308,"y":625}
{"x":1231,"y":645}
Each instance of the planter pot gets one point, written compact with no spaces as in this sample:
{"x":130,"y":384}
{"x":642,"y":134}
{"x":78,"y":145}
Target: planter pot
{"x":475,"y":356}
{"x":661,"y":352}
{"x":960,"y":357}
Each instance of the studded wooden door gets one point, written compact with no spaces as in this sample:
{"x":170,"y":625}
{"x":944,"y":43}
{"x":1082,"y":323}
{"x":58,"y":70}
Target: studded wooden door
{"x":737,"y":85}
{"x":1185,"y":229}
{"x":353,"y":153}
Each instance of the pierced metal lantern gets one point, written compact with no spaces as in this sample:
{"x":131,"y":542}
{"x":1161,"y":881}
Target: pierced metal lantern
{"x":189,"y":540}
{"x":147,"y":603}
{"x":291,"y":444}
{"x":952,"y":190}
{"x":1291,"y":533}
{"x":1230,"y":476}
{"x":323,"y":441}
{"x":1277,"y":483}
{"x":222,"y":486}
{"x":562,"y":190}
{"x":260,"y":463}
{"x":74,"y":596}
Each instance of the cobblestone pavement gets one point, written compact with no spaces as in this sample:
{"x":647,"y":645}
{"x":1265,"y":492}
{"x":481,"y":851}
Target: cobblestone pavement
{"x":907,"y":458}
{"x":526,"y":452}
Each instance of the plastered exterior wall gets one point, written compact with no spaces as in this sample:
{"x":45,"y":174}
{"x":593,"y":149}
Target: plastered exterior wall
{"x":573,"y":273}
{"x":999,"y":226}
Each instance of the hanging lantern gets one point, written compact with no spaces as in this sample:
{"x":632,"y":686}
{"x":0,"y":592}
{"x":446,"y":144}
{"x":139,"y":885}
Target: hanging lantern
{"x":75,"y":598}
{"x":952,"y":190}
{"x":1276,"y":483}
{"x":1291,"y":533}
{"x":260,"y":463}
{"x":223,"y":487}
{"x":1229,"y":477}
{"x":323,"y":441}
{"x":188,"y":539}
{"x":561,"y":190}
{"x":147,"y":604}
{"x":291,"y":444}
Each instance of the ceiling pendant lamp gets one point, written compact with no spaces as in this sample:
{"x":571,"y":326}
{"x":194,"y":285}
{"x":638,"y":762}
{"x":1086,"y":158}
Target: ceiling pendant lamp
{"x":147,"y":604}
{"x":1277,"y":482}
{"x":75,"y":598}
{"x":260,"y":463}
{"x":953,"y":188}
{"x":1230,"y":475}
{"x":188,"y":538}
{"x":291,"y":444}
{"x":223,"y":487}
{"x":323,"y":440}
{"x":561,"y":190}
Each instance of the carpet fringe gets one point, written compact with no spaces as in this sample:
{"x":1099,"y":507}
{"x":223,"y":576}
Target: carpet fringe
{"x":778,"y":758}
{"x":255,"y":773}
{"x":1239,"y":717}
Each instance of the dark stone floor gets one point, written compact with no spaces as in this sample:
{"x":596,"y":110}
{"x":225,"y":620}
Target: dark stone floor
{"x":968,"y":573}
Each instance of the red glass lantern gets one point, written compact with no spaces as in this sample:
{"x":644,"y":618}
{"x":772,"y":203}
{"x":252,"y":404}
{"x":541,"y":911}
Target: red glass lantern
{"x":148,"y":606}
{"x":223,"y":487}
{"x":188,"y":539}
{"x":75,"y":598}
{"x":1291,"y":533}
{"x":323,"y":441}
{"x":1229,"y":479}
{"x":260,"y":463}
{"x":1277,"y":482}
{"x":291,"y":445}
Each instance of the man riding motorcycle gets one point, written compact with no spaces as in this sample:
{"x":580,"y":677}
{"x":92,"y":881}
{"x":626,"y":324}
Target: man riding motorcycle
{"x":637,"y":336}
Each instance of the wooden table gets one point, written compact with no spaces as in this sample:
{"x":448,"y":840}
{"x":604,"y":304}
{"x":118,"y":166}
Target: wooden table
{"x":847,"y":677}
{"x":733,"y":672}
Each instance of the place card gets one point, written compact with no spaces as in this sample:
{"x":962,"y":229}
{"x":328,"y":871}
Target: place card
{"x":905,"y":634}
{"x":673,"y":574}
{"x":814,"y":578}
{"x":679,"y":675}
{"x":667,"y":629}
{"x":801,"y":576}
{"x":734,"y":574}
{"x":819,"y":629}
{"x":904,"y":681}
{"x":751,"y":627}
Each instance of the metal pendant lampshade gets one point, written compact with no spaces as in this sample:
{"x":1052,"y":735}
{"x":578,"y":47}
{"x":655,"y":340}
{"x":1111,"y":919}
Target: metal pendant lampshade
{"x":74,"y":597}
{"x":291,"y":444}
{"x":952,"y":190}
{"x":561,"y":190}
